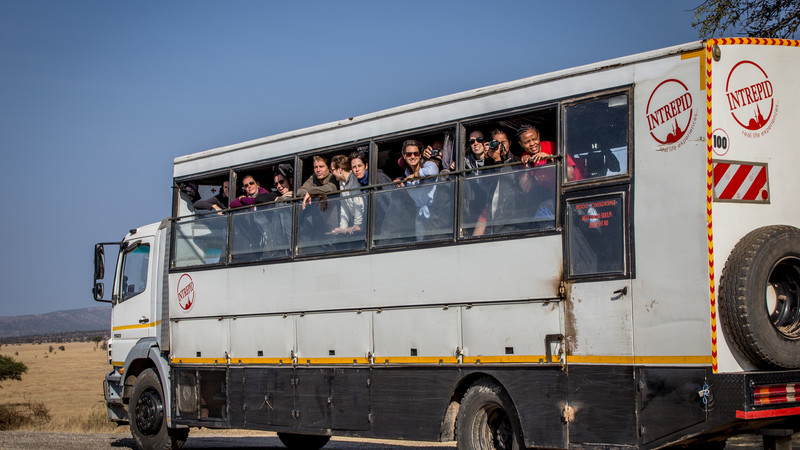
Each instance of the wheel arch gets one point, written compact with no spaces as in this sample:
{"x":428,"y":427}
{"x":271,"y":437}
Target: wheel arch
{"x":145,"y":355}
{"x":448,"y":424}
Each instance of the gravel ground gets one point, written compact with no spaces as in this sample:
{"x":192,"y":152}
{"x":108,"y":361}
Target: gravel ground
{"x":24,"y":440}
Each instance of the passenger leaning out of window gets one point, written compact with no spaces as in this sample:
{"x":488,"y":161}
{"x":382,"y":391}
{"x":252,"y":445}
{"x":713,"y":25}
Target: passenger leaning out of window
{"x":417,"y":171}
{"x":498,"y":150}
{"x":319,"y":184}
{"x":359,"y":163}
{"x":351,"y":209}
{"x":284,"y":181}
{"x":540,"y":151}
{"x":416,"y":166}
{"x":217,"y":202}
{"x":253,"y":194}
{"x":476,"y":151}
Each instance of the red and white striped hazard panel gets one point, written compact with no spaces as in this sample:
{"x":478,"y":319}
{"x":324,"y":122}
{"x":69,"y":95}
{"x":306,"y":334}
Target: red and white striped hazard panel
{"x":741,"y":182}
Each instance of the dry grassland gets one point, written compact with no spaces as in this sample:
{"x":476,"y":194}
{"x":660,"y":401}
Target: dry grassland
{"x":69,"y":383}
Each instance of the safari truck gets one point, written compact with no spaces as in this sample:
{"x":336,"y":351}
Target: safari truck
{"x":604,"y":256}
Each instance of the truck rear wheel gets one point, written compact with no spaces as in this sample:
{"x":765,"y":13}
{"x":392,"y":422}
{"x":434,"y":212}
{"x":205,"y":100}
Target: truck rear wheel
{"x":303,"y":441}
{"x":760,"y":297}
{"x":148,"y":417}
{"x":487,"y":419}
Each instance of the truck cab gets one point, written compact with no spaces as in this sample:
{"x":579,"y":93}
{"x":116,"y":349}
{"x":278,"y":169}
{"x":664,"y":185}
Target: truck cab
{"x":138,"y":321}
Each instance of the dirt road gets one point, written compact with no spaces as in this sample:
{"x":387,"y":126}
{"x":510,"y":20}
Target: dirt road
{"x":18,"y":440}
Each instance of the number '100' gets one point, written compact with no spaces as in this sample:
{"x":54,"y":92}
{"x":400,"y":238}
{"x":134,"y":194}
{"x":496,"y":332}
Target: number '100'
{"x":721,"y":141}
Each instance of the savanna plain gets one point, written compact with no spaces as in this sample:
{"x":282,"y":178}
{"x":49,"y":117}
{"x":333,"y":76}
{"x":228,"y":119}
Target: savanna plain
{"x":61,"y":395}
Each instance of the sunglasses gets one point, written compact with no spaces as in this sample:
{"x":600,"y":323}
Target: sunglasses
{"x":252,"y":183}
{"x":474,"y":140}
{"x":411,"y":154}
{"x":279,"y":182}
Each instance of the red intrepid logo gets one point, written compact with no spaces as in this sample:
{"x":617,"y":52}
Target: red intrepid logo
{"x":185,"y":292}
{"x":750,"y":95}
{"x":669,"y":112}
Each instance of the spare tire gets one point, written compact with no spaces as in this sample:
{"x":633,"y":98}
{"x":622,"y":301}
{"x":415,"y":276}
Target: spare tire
{"x":759,"y":297}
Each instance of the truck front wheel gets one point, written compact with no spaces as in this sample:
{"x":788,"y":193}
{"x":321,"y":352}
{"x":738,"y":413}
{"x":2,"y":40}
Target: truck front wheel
{"x":148,"y":417}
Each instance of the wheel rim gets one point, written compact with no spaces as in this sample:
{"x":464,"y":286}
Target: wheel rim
{"x":149,"y":412}
{"x":783,"y":297}
{"x":494,"y":429}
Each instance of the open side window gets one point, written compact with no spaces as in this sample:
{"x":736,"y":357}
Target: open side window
{"x":499,"y":194}
{"x":200,"y":228}
{"x":420,"y":207}
{"x":201,"y":195}
{"x":261,"y":218}
{"x":336,"y":217}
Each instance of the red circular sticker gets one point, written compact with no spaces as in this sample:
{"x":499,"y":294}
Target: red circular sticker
{"x":750,"y":95}
{"x":669,"y":112}
{"x":185,"y":292}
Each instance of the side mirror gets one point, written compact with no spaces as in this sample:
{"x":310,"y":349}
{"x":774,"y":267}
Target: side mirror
{"x":99,"y":273}
{"x":99,"y":263}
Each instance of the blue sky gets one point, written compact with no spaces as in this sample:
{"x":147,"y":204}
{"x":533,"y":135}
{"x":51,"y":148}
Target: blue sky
{"x":98,"y":97}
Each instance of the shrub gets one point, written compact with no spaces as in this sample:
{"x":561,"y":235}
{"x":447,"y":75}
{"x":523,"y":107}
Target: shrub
{"x":15,"y":416}
{"x":10,"y":369}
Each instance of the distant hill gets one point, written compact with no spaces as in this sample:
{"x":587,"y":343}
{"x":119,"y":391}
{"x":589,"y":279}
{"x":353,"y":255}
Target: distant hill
{"x":59,"y":322}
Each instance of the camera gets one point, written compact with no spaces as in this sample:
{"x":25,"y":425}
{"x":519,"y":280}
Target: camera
{"x":494,"y":143}
{"x":435,"y":152}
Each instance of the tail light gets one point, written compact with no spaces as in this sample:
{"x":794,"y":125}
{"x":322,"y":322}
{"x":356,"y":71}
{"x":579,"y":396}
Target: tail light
{"x":775,"y":394}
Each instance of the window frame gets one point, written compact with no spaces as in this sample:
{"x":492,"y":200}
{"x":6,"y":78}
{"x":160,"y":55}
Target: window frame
{"x":599,"y":187}
{"x":554,"y":108}
{"x":130,"y":248}
{"x":628,"y":91}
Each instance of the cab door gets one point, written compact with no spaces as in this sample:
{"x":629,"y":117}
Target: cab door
{"x":133,"y":315}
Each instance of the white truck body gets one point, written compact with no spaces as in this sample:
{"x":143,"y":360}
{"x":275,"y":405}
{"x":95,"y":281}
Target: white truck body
{"x":390,"y":340}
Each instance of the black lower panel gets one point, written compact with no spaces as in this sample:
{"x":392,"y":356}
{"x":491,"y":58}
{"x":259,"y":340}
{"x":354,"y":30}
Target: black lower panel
{"x":578,"y":406}
{"x":670,"y":393}
{"x":410,"y":404}
{"x":539,"y":395}
{"x":603,"y":404}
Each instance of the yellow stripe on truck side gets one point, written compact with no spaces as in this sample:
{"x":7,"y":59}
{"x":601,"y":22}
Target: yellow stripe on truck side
{"x":138,"y":325}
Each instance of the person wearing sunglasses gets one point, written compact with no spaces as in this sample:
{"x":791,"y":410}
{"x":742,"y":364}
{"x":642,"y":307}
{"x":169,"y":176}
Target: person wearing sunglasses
{"x":476,"y":151}
{"x":476,"y":192}
{"x":417,"y":172}
{"x":284,"y":180}
{"x":253,"y":193}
